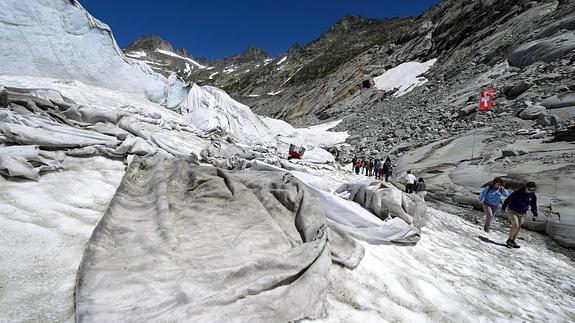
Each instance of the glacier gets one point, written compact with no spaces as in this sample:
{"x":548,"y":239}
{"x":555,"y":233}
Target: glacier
{"x":80,"y":123}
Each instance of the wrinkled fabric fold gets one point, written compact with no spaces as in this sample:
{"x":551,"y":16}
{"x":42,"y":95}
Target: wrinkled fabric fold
{"x":194,"y":243}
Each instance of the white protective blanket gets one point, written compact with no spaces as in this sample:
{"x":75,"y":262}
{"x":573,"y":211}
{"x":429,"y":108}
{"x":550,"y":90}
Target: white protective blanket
{"x":408,"y":213}
{"x":181,"y":242}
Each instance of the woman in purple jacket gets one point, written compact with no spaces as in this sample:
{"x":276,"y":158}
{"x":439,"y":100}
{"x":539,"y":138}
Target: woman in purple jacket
{"x":519,"y":202}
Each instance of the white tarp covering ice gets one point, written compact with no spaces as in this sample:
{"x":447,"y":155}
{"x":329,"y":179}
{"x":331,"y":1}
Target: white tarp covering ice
{"x":60,"y":40}
{"x":56,"y":39}
{"x":208,"y":107}
{"x":404,"y":77}
{"x":357,"y":220}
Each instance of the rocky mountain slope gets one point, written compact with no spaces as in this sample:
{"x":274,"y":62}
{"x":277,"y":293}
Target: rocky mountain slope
{"x":333,"y":76}
{"x":524,"y":50}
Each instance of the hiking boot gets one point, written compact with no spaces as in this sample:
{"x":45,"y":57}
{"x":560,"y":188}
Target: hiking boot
{"x":512,"y":244}
{"x":486,"y":229}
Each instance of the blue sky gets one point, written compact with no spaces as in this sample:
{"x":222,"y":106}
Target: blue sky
{"x":216,"y":29}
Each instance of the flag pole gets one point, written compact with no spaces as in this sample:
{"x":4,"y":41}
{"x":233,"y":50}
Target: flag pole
{"x":485,"y":99}
{"x":474,"y":134}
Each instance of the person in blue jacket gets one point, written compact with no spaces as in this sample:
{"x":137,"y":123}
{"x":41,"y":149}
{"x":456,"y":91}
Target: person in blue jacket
{"x":518,"y":203}
{"x":491,"y":198}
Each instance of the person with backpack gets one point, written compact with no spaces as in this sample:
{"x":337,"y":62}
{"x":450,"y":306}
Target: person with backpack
{"x":516,"y":206}
{"x":357,"y":166}
{"x":376,"y":164}
{"x":353,"y":160}
{"x":420,"y":188}
{"x":386,"y":169}
{"x":491,"y":198}
{"x":410,"y":180}
{"x":369,"y":167}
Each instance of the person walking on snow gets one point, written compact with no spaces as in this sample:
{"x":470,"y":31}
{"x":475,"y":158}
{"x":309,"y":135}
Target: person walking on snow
{"x":491,"y":198}
{"x":357,"y":166}
{"x":353,"y":160}
{"x":420,"y":188}
{"x":386,"y":169}
{"x":380,"y":171}
{"x":369,"y":167}
{"x":518,"y":203}
{"x":410,"y":180}
{"x":376,"y":164}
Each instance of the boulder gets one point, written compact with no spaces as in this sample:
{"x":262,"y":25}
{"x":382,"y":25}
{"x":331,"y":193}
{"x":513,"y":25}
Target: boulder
{"x":532,"y":112}
{"x":542,"y":50}
{"x":513,"y":91}
{"x":523,"y":132}
{"x":468,"y":199}
{"x":547,"y":120}
{"x":509,"y":153}
{"x":353,"y":140}
{"x":538,"y":135}
{"x":467,"y":110}
{"x":401,"y":133}
{"x":559,"y":101}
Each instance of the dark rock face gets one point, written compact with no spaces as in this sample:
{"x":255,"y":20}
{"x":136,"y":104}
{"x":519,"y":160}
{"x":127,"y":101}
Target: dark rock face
{"x":567,"y":134}
{"x":183,"y":52}
{"x":513,"y":91}
{"x":532,"y":112}
{"x":252,"y":54}
{"x":150,"y":43}
{"x":547,"y":120}
{"x":543,"y":50}
{"x":559,"y":101}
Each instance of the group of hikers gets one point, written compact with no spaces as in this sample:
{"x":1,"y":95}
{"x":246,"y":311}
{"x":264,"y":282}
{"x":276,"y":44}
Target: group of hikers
{"x":493,"y":197}
{"x":414,"y":185}
{"x":373,"y":167}
{"x":515,"y":205}
{"x":383,"y":171}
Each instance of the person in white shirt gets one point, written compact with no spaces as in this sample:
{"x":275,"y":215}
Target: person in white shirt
{"x":409,"y":182}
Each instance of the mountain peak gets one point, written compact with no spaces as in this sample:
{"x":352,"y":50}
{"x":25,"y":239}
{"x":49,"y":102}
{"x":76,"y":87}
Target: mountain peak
{"x":252,"y":53}
{"x":150,"y":43}
{"x":349,"y":22}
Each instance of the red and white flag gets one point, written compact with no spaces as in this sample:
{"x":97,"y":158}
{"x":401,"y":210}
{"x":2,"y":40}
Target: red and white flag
{"x":485,"y":99}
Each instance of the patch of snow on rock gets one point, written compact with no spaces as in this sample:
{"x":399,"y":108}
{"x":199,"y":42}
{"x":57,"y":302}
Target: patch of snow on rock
{"x":165,"y":52}
{"x":404,"y":77}
{"x":188,"y":69}
{"x":229,"y":69}
{"x":136,"y":54}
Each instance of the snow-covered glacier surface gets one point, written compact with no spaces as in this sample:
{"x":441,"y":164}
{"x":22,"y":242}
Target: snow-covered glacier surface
{"x":61,"y":40}
{"x":449,"y":276}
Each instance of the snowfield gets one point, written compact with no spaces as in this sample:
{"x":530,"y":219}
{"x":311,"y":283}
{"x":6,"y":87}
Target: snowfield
{"x":451,"y":275}
{"x":403,"y":78}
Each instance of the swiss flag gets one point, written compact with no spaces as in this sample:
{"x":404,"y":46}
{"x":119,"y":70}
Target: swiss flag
{"x":485,"y":101}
